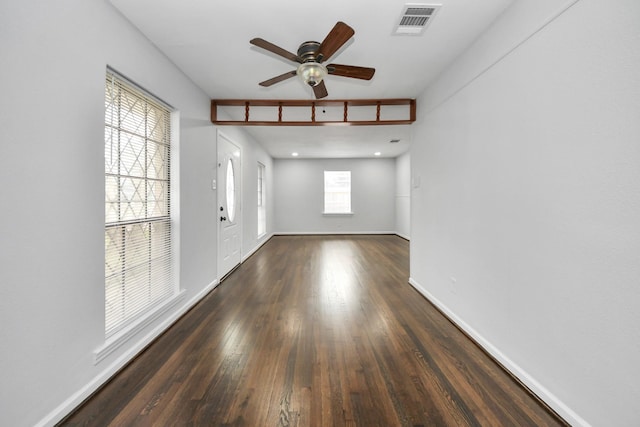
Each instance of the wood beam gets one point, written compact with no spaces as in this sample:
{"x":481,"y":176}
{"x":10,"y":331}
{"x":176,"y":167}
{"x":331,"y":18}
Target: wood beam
{"x":312,"y":104}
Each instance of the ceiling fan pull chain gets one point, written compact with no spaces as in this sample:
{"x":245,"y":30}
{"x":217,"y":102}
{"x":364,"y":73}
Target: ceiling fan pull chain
{"x":345,"y":111}
{"x":313,"y":111}
{"x":246,"y":111}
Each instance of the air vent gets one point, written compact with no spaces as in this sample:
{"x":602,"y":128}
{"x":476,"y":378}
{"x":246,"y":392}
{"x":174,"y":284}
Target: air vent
{"x":415,"y":18}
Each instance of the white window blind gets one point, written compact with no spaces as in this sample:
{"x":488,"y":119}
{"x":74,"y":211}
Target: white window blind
{"x":138,"y":264}
{"x":262,"y":212}
{"x":337,"y":192}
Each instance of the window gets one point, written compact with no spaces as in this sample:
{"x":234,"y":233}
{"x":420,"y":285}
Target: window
{"x":138,"y":262}
{"x":231,"y":191}
{"x":262,"y":212}
{"x":337,"y":192}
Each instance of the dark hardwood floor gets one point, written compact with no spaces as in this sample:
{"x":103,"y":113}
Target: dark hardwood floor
{"x":314,"y":331}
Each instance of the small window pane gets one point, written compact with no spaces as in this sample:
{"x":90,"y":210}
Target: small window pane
{"x":231,"y":191}
{"x":262,"y":212}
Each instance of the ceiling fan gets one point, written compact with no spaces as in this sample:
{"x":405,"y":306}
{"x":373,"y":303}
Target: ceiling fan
{"x":311,"y":55}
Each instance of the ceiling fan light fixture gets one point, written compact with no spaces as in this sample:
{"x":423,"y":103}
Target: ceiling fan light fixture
{"x":312,"y":73}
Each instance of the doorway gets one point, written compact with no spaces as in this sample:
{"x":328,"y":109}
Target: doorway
{"x":229,"y":206}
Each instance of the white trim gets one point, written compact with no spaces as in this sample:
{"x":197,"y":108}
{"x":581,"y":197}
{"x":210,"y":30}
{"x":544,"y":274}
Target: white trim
{"x":336,"y":213}
{"x":114,"y":342}
{"x":78,"y":397}
{"x":264,"y":239}
{"x":174,"y":194}
{"x":538,"y":389}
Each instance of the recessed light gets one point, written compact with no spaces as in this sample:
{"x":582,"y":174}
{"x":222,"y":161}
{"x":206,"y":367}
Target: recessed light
{"x":377,"y":153}
{"x":294,"y":154}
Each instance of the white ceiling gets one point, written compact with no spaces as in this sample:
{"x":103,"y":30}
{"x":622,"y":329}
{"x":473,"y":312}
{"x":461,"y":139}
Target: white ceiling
{"x":209,"y":41}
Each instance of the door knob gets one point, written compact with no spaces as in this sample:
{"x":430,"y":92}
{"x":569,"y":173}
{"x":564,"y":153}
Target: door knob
{"x":223,"y":218}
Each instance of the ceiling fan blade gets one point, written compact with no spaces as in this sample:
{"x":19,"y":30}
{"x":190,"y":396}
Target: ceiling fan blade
{"x":338,"y":36}
{"x":320,"y":90}
{"x":275,"y":49}
{"x":352,"y":71}
{"x":278,"y":79}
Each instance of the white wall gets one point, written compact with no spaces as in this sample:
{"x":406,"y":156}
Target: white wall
{"x":403,"y":195}
{"x":299,"y":196}
{"x":52,"y":218}
{"x":525,"y":227}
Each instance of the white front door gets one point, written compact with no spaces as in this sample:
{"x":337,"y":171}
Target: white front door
{"x":229,"y":197}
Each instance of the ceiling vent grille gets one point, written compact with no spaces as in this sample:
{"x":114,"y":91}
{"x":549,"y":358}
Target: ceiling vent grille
{"x":415,"y":18}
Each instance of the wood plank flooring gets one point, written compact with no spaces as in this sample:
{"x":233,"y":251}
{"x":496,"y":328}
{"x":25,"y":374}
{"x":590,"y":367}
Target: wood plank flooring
{"x":314,"y":331}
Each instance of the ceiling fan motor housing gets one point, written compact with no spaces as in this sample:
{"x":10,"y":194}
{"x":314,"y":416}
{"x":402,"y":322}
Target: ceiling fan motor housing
{"x":308,"y":50}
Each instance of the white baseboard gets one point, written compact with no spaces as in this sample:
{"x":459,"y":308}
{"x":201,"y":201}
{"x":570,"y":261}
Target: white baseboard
{"x":404,"y":236}
{"x":262,"y":241}
{"x":113,"y":343}
{"x":538,"y":389}
{"x":78,"y":397}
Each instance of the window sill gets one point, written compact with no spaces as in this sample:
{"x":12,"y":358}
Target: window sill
{"x":337,"y":213}
{"x":115,"y":341}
